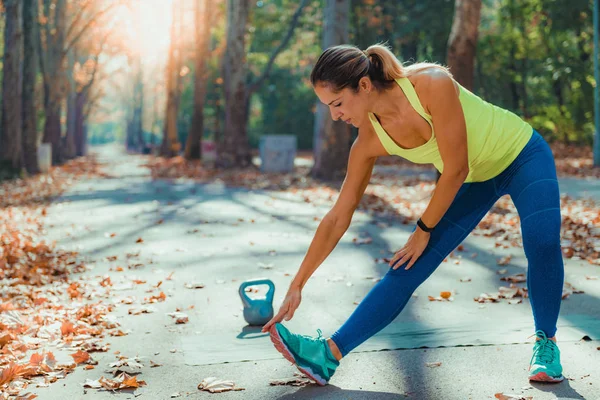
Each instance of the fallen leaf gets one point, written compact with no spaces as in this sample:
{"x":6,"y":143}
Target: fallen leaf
{"x":434,"y":364}
{"x":505,"y":260}
{"x":358,"y":241}
{"x":141,"y":310}
{"x":215,"y":385}
{"x":180,"y":318}
{"x":194,"y":285}
{"x":296,"y":380}
{"x":128,"y":365}
{"x":80,"y":357}
{"x":67,"y":328}
{"x":515,"y":278}
{"x":511,"y":396}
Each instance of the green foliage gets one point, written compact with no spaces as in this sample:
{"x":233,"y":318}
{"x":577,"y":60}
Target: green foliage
{"x":106,"y":132}
{"x":534,"y":58}
{"x":285,"y":102}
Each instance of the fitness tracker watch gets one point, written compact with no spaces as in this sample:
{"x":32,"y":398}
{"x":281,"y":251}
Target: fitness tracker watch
{"x":423,"y":226}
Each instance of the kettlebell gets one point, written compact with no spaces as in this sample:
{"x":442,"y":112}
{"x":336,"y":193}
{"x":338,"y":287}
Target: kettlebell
{"x":257,"y":311}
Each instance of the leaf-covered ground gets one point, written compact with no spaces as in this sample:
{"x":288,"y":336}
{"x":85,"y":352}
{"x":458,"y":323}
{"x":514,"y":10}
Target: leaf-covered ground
{"x":44,"y":303}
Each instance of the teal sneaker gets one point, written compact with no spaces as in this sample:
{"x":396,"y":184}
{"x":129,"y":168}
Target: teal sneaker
{"x":311,"y":356}
{"x":545,"y":362}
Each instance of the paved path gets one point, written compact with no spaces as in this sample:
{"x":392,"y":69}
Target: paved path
{"x":220,"y":237}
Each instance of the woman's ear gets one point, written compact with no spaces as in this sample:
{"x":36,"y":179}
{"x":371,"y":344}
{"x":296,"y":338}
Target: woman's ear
{"x":365,"y":84}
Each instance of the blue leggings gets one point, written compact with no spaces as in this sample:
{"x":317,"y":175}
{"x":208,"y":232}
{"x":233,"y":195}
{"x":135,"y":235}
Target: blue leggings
{"x":531,"y":182}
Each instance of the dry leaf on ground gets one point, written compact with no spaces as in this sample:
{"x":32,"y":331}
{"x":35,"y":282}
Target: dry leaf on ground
{"x":216,"y":385}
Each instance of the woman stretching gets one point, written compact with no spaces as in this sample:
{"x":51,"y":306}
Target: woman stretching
{"x":482,"y":152}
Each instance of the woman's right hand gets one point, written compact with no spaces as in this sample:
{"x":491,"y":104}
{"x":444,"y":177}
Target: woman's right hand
{"x":288,"y":307}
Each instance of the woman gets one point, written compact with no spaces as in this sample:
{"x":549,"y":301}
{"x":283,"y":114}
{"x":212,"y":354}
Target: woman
{"x":482,"y":152}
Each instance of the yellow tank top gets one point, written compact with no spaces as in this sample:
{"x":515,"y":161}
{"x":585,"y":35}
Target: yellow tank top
{"x":495,"y":136}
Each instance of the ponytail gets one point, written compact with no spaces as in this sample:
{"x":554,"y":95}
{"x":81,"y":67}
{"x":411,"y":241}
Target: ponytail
{"x":344,"y":65}
{"x":391,"y":68}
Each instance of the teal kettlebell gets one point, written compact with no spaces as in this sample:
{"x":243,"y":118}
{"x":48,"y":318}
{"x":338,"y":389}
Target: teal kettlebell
{"x":257,"y":311}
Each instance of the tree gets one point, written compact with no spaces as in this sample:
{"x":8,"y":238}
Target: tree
{"x":193,"y":149}
{"x":56,"y":38}
{"x":170,"y":145}
{"x":332,"y":138}
{"x":11,"y":153}
{"x":29,"y":115}
{"x":234,"y":149}
{"x":462,"y":43}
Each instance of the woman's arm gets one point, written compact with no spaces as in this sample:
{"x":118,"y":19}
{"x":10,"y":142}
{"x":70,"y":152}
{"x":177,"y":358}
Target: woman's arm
{"x":337,"y":220}
{"x":439,"y":96}
{"x":441,"y":99}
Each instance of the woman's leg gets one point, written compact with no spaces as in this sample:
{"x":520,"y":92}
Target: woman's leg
{"x":533,"y":187}
{"x":388,"y":297}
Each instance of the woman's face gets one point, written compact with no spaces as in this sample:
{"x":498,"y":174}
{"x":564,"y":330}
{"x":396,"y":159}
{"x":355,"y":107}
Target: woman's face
{"x":347,"y":105}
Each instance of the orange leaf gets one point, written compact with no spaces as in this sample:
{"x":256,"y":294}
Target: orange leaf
{"x":67,"y":328}
{"x":4,"y":339}
{"x":36,"y":359}
{"x":80,"y":357}
{"x":50,"y":359}
{"x":131,"y":382}
{"x":10,"y":373}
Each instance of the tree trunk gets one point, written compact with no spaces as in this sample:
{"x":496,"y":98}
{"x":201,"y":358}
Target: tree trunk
{"x":138,"y":106}
{"x":70,"y":149}
{"x":170,"y":145}
{"x":462,"y":44}
{"x":11,"y":154}
{"x":234,"y":150}
{"x":332,"y":138}
{"x":84,"y":140}
{"x":80,"y":101}
{"x":52,"y":131}
{"x":52,"y":58}
{"x":193,"y":148}
{"x":29,"y":117}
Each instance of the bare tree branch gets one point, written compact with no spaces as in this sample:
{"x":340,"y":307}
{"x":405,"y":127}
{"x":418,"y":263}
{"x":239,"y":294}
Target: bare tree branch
{"x":89,"y":23}
{"x":256,"y":85}
{"x":77,"y":19}
{"x":89,"y":105}
{"x":95,"y":58}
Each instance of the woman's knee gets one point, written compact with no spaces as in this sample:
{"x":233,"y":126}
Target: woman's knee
{"x":542,"y":239}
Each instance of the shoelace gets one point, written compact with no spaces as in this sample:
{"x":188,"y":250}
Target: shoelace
{"x":313,"y":338}
{"x":545,"y":348}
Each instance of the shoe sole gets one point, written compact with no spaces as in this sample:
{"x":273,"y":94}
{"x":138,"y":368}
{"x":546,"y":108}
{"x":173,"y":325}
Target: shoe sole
{"x":544,"y":377}
{"x":283,"y":349}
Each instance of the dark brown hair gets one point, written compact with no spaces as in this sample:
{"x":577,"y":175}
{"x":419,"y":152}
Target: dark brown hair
{"x":344,"y":65}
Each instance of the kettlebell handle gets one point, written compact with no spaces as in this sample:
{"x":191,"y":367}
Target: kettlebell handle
{"x":254,"y":282}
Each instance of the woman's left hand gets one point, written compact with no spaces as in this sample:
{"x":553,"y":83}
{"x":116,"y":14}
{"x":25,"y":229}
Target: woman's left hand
{"x":412,"y":250}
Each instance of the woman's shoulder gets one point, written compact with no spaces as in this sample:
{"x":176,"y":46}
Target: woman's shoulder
{"x":427,"y":82}
{"x":431,"y":77}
